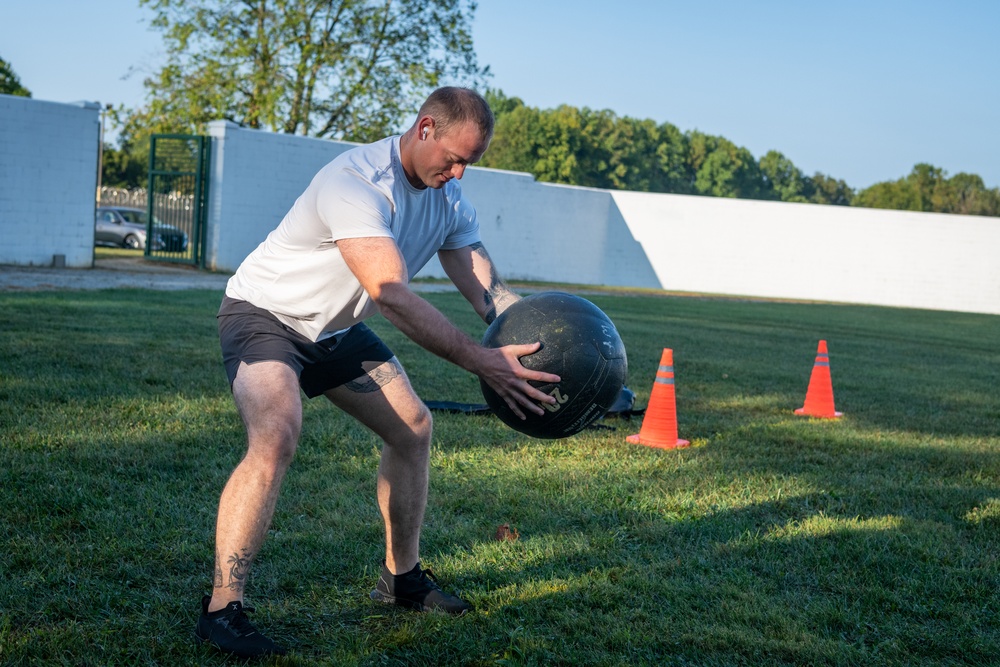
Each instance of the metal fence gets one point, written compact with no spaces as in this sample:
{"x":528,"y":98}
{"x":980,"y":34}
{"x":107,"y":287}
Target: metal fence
{"x":178,"y":172}
{"x":172,"y":202}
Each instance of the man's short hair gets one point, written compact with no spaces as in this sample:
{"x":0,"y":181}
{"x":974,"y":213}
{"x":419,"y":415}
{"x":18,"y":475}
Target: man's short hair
{"x":451,"y":105}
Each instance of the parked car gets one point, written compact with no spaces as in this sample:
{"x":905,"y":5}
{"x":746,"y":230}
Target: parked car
{"x":125,"y":227}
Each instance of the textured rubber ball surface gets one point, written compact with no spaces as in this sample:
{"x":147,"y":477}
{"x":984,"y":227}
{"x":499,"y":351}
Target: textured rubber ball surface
{"x":580,"y":344}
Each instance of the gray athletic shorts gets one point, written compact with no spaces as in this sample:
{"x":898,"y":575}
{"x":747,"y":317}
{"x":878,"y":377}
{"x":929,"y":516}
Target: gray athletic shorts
{"x":248,"y":333}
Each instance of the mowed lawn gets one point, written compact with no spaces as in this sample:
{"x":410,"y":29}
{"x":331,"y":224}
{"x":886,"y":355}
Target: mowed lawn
{"x":773,"y":540}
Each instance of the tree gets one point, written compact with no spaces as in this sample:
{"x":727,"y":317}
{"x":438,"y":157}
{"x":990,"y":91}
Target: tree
{"x":10,"y":84}
{"x":122,"y":168}
{"x":552,"y":144}
{"x":825,"y":189}
{"x":928,"y":188}
{"x":626,"y":152}
{"x":599,"y":149}
{"x":924,"y":184}
{"x":674,"y":173}
{"x":786,"y":182}
{"x":588,"y":147}
{"x":968,"y":195}
{"x":500,"y":103}
{"x":516,"y":136}
{"x":559,"y":146}
{"x":915,"y":192}
{"x":345,"y":69}
{"x":723,"y":169}
{"x":895,"y":195}
{"x":782,"y":178}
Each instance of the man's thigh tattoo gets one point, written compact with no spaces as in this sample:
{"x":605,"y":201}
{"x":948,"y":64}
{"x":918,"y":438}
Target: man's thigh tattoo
{"x":375,"y":378}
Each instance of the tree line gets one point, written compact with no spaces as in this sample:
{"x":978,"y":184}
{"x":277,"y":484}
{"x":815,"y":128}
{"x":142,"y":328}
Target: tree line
{"x":343,"y":69}
{"x":597,"y":148}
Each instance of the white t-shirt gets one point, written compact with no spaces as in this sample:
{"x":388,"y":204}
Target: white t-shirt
{"x":298,"y":274}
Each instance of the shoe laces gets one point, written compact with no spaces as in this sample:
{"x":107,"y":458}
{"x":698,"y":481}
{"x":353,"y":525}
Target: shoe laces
{"x":238,"y":622}
{"x":426,"y":578}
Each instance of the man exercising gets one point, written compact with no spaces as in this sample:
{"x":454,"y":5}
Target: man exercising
{"x":291,"y":322}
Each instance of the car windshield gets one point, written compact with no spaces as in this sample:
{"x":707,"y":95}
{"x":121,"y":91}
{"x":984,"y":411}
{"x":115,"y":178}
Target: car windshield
{"x":138,"y":217}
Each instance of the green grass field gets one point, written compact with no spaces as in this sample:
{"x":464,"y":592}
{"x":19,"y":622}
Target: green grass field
{"x":772,"y":540}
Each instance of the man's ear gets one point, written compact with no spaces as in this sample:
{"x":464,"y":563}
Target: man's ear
{"x":427,"y":124}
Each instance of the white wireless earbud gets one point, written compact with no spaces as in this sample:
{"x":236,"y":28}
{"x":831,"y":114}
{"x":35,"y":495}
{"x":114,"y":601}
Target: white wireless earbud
{"x":425,"y":133}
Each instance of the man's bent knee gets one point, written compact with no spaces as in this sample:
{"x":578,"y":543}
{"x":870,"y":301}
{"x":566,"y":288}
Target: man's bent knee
{"x":274,"y":445}
{"x":267,"y":397}
{"x":415,"y":437}
{"x":424,"y":426}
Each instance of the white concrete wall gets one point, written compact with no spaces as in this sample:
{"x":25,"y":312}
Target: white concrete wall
{"x":545,"y":232}
{"x":540,"y":231}
{"x":255,"y":178}
{"x":827,"y":253}
{"x":48,"y":181}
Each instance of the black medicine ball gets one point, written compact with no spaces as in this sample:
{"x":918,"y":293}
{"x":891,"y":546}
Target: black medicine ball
{"x":579,"y":344}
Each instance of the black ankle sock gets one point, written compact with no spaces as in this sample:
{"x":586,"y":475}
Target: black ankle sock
{"x":415,"y":570}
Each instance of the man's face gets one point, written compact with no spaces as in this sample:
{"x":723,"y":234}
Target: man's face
{"x":442,"y":157}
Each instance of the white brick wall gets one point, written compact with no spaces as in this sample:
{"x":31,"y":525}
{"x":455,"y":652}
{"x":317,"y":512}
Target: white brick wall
{"x":546,"y":232}
{"x":828,"y":253}
{"x":255,"y":178}
{"x":537,"y":231}
{"x":48,"y":181}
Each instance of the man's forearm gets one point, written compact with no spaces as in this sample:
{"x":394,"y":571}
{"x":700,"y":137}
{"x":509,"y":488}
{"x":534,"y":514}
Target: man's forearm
{"x":428,"y":327}
{"x":498,"y":299}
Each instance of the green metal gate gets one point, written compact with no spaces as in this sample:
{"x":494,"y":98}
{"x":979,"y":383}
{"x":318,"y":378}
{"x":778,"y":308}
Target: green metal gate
{"x":178,"y":197}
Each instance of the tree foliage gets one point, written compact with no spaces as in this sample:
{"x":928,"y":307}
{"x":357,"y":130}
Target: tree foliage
{"x":928,"y":188}
{"x":346,"y":69}
{"x":123,"y":168}
{"x":723,"y":169}
{"x":10,"y":84}
{"x":784,"y":181}
{"x":585,"y":147}
{"x":599,"y":149}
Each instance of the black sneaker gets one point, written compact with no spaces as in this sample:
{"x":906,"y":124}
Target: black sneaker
{"x":416,"y":589}
{"x":229,"y":630}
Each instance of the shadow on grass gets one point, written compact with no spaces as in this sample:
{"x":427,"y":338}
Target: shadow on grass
{"x":789,"y":542}
{"x":871,"y":540}
{"x":865,"y":558}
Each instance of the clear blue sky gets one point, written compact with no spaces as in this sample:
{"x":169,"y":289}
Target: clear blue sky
{"x":858,"y":89}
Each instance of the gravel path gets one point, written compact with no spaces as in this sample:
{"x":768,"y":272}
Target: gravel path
{"x":110,"y":273}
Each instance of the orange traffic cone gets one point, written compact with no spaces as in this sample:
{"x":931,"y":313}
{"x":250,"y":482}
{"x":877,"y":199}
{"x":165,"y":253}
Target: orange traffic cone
{"x":819,"y":396}
{"x":659,"y":425}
